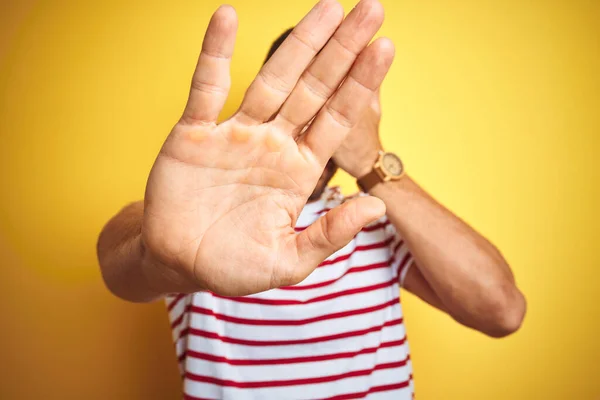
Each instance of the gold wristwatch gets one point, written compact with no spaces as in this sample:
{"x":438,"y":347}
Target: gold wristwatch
{"x":387,"y":167}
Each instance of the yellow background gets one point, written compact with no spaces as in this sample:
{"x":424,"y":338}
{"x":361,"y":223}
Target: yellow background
{"x":494,"y":106}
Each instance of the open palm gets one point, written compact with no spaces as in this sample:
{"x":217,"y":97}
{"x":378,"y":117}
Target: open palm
{"x":222,"y":200}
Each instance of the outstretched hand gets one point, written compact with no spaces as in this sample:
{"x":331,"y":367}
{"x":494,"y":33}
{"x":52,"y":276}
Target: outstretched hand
{"x":222,"y":199}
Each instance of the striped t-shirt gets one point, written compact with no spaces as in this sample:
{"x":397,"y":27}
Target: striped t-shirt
{"x":339,"y":334}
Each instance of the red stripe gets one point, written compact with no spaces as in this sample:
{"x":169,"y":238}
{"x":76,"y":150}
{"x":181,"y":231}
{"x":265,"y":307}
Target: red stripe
{"x":291,"y":302}
{"x":365,"y":247}
{"x":176,"y":300}
{"x":374,"y":389}
{"x":176,"y":322}
{"x":293,"y":360}
{"x":352,"y":270}
{"x":285,"y":322}
{"x":190,"y":397}
{"x":397,"y":246}
{"x":403,"y":265}
{"x":293,"y":382}
{"x":345,"y":256}
{"x":319,"y":339}
{"x":376,"y":226}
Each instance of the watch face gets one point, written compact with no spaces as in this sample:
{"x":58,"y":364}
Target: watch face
{"x":392,"y":164}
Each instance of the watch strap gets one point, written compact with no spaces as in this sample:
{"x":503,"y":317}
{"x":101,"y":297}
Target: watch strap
{"x":368,"y":181}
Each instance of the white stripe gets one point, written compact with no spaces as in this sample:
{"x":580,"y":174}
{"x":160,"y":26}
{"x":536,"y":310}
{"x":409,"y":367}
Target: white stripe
{"x":288,"y":332}
{"x":360,"y":257}
{"x":219,"y":348}
{"x":312,"y":391}
{"x":179,"y":309}
{"x":177,"y":312}
{"x":254,"y":373}
{"x":397,"y":394}
{"x":351,"y":281}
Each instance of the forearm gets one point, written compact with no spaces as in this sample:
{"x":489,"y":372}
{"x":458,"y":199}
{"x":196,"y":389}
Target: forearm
{"x":466,"y":272}
{"x":128,"y":271}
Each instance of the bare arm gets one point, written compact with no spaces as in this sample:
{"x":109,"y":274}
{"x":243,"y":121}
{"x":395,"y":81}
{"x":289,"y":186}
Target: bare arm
{"x":120,"y":255}
{"x":458,"y":270}
{"x":222,"y":199}
{"x":127,"y":270}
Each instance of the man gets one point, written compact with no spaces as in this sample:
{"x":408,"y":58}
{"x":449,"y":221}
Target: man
{"x":276,"y":286}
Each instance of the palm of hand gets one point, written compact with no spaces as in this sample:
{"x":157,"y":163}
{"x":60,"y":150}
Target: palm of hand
{"x":230,"y":184}
{"x":222,"y":200}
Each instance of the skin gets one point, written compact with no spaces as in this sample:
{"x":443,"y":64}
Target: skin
{"x":222,"y":200}
{"x":456,"y":269}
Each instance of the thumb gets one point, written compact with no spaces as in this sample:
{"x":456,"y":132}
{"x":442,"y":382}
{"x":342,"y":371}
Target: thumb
{"x":333,"y":231}
{"x":376,"y":101}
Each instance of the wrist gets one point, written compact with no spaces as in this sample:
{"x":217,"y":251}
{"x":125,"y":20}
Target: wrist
{"x":149,"y":269}
{"x":160,"y":279}
{"x":364,"y":164}
{"x":396,"y":189}
{"x":388,"y":167}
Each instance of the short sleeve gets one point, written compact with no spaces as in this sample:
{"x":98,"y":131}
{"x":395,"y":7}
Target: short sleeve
{"x":401,"y":257}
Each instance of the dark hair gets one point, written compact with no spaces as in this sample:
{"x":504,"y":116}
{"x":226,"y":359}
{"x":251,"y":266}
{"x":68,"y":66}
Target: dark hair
{"x":278,"y":42}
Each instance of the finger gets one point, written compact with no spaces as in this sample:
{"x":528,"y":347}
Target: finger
{"x":333,"y":231}
{"x":280,"y":74}
{"x":324,"y":75}
{"x":211,"y":80}
{"x":342,"y":112}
